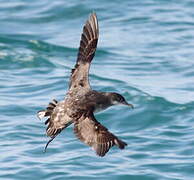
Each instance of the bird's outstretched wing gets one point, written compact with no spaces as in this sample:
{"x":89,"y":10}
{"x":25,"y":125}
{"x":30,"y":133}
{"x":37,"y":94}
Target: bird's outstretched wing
{"x":57,"y":119}
{"x":88,"y":44}
{"x":92,"y":133}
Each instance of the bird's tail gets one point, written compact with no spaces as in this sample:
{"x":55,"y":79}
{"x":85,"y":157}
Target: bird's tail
{"x":48,"y":111}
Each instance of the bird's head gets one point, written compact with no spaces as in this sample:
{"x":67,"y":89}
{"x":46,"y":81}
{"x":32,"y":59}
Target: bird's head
{"x":116,"y":98}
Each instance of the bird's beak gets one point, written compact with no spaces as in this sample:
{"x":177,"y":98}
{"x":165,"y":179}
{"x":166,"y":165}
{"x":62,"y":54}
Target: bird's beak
{"x":127,"y":104}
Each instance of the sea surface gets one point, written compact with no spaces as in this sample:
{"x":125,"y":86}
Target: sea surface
{"x":145,"y":52}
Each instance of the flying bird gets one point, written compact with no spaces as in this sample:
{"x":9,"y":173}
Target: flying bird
{"x":81,"y":102}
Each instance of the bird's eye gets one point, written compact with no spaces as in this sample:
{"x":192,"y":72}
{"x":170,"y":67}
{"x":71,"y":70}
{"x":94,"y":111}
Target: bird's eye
{"x":120,"y":99}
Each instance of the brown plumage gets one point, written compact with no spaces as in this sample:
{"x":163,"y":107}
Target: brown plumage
{"x":92,"y":133}
{"x":88,"y":45}
{"x":81,"y":101}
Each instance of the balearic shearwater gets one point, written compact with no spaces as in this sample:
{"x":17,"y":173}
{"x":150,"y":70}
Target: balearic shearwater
{"x":82,"y":102}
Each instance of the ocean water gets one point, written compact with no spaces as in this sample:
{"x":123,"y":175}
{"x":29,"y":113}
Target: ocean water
{"x":145,"y":52}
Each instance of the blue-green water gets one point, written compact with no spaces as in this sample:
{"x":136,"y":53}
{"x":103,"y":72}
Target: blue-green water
{"x":145,"y":52}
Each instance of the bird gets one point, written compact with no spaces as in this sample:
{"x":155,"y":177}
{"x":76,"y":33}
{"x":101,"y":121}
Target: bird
{"x":81,"y":101}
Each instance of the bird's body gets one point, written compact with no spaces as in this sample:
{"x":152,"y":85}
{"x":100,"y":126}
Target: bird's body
{"x":81,"y":102}
{"x":68,"y":110}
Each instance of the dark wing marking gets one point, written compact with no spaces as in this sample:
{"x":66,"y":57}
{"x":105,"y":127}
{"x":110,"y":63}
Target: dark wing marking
{"x":88,"y":44}
{"x":92,"y":133}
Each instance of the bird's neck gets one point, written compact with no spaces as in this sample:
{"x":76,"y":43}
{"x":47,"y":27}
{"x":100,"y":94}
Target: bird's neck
{"x":103,"y":102}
